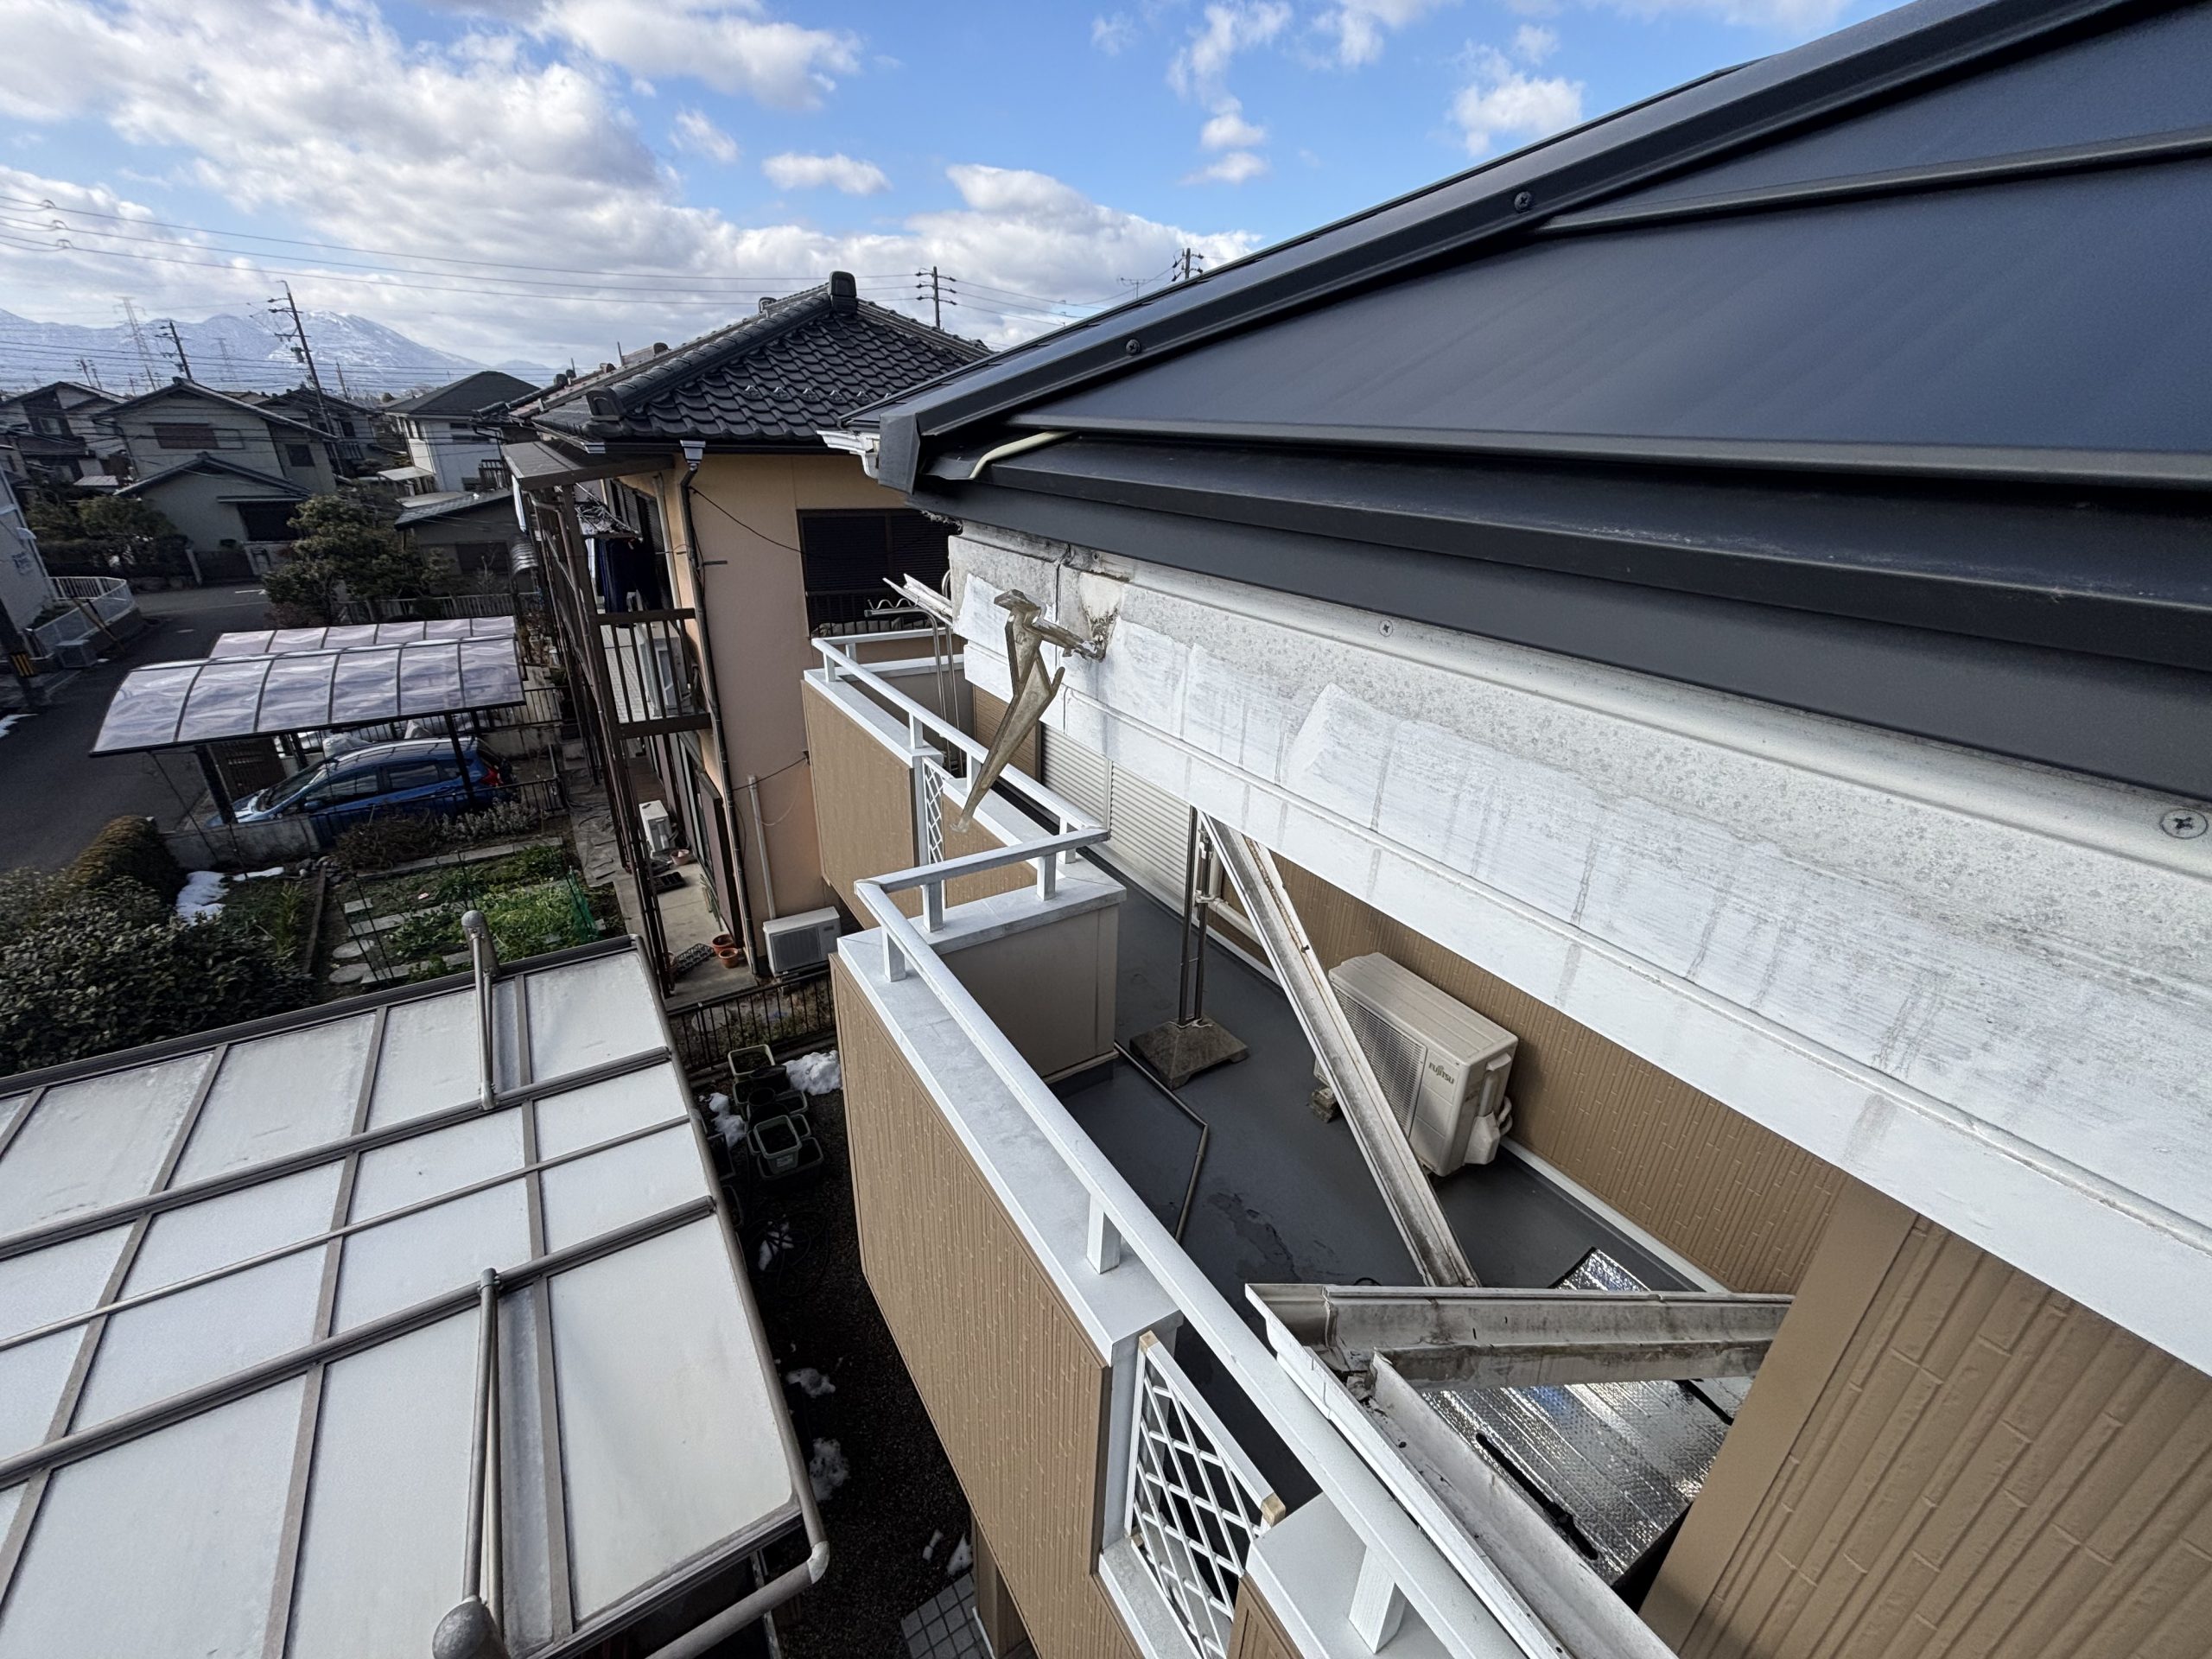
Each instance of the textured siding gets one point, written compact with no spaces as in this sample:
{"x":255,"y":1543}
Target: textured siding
{"x":864,"y":812}
{"x":1984,"y":1469}
{"x":1256,"y":1635}
{"x":1016,"y":1391}
{"x":1742,"y":1203}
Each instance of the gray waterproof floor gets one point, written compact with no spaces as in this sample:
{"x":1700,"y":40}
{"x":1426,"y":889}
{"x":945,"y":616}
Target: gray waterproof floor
{"x":1284,"y":1196}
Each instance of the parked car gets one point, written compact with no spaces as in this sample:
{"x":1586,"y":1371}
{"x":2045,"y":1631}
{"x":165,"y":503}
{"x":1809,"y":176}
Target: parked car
{"x":419,"y":776}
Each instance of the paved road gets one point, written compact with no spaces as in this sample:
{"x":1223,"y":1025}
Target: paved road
{"x":54,"y":796}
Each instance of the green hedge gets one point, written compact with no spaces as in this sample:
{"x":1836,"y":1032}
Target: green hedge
{"x":129,"y":850}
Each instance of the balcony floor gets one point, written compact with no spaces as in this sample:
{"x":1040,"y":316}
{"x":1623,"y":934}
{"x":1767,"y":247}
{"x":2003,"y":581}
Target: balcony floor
{"x":1283,"y":1195}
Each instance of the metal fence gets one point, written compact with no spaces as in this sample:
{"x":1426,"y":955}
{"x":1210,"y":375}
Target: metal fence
{"x":406,"y":924}
{"x":426,"y":607}
{"x":100,"y":608}
{"x":520,"y":809}
{"x":786,"y":1014}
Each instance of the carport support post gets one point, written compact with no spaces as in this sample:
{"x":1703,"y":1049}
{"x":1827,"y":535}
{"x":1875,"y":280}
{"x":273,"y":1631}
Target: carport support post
{"x":216,"y":787}
{"x":468,"y":783}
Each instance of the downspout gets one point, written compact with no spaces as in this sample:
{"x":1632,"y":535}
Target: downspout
{"x":693,"y":452}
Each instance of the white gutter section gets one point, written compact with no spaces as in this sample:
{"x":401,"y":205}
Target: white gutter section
{"x":861,"y":445}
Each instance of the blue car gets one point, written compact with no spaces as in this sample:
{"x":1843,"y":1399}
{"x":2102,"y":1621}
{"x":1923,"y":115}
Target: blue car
{"x":420,"y":776}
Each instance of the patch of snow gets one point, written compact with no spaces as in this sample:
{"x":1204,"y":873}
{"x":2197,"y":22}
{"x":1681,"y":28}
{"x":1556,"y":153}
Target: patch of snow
{"x":726,"y":1123}
{"x":260,"y":875}
{"x":828,"y":1470}
{"x":777,"y":1242}
{"x":202,"y":900}
{"x":815,"y":1074}
{"x":959,"y":1562}
{"x":930,"y":1549}
{"x":810,"y":1382}
{"x":7,"y":723}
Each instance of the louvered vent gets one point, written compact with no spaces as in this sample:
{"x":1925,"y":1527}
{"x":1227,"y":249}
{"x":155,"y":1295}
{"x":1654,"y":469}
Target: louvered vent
{"x":1396,"y":1057}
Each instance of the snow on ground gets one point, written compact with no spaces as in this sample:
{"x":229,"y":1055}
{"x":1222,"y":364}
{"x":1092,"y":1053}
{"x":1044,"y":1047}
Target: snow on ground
{"x":7,"y":723}
{"x":828,"y":1469}
{"x":202,"y":898}
{"x":815,"y":1074}
{"x":960,"y":1561}
{"x":810,"y":1382}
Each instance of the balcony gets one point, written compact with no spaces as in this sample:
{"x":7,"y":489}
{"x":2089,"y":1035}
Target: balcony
{"x":1069,"y":1253}
{"x":653,"y":681}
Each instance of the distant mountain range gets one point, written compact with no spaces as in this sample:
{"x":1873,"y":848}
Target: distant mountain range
{"x":234,"y":354}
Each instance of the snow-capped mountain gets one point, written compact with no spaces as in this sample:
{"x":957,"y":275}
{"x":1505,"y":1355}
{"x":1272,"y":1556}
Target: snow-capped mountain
{"x":243,"y":353}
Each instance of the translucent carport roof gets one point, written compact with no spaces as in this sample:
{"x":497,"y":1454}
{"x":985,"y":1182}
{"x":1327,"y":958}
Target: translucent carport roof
{"x":167,"y":705}
{"x":239,"y":1334}
{"x":281,"y":642}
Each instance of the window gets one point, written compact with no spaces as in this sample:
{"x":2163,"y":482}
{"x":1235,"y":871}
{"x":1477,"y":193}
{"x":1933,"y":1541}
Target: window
{"x":417,"y":774}
{"x":266,"y":521}
{"x":184,"y":435}
{"x":353,"y":785}
{"x":846,"y":556}
{"x":492,"y":475}
{"x":299,"y":454}
{"x":346,"y":425}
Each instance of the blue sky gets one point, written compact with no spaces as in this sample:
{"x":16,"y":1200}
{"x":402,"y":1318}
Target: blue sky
{"x":675,"y":158}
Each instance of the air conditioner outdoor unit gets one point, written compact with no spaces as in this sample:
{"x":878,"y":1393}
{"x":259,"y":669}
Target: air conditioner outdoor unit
{"x":660,"y":833}
{"x":1442,"y":1066}
{"x":801,"y":941}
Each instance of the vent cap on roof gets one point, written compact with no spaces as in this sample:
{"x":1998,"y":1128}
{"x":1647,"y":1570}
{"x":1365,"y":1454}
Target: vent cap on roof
{"x":844,"y":293}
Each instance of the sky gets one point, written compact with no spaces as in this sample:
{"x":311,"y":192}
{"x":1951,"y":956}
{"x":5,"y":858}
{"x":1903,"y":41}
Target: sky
{"x":546,"y":179}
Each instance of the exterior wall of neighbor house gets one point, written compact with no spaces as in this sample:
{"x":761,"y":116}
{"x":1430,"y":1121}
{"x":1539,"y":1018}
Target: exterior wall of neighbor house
{"x":493,"y":522}
{"x":24,"y":584}
{"x":203,"y":507}
{"x":1014,"y":1386}
{"x":747,"y":518}
{"x":1943,"y":1455}
{"x":242,"y":436}
{"x":452,"y":449}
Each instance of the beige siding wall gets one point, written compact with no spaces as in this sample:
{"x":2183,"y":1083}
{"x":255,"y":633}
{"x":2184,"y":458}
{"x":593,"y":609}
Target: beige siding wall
{"x":1741,"y":1201}
{"x":1944,"y":1455}
{"x":863,"y":793}
{"x":746,"y":517}
{"x":990,"y":711}
{"x":1014,"y":1389}
{"x":1256,"y":1635}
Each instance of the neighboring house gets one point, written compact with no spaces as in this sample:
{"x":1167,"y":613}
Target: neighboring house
{"x":1720,"y":595}
{"x":693,"y":592}
{"x":25,"y":589}
{"x":235,"y":519}
{"x":474,"y":532}
{"x":58,"y":432}
{"x":352,"y":427}
{"x":453,"y":433}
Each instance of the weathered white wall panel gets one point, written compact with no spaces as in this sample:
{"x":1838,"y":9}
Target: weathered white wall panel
{"x":1983,"y":987}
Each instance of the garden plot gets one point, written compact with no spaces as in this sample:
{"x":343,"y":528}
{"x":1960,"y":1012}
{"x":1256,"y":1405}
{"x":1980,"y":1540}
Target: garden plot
{"x":404,"y":925}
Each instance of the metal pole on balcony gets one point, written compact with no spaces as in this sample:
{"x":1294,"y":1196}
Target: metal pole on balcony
{"x":1191,"y":1043}
{"x":460,"y":760}
{"x":214,"y":776}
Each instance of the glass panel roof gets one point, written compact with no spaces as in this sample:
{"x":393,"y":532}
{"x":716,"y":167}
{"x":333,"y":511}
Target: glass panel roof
{"x":336,"y":1182}
{"x":265,"y":688}
{"x":279,"y":642}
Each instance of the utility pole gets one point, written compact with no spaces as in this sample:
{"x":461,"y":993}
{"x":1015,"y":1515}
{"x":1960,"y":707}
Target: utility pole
{"x":1182,"y":265}
{"x":183,"y":363}
{"x":344,"y":391}
{"x":305,"y":354}
{"x":138,"y":340}
{"x":91,"y":374}
{"x":936,"y":291}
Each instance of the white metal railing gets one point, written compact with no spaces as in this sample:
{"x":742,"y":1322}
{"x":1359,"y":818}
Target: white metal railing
{"x":1450,"y":1588}
{"x":1195,"y":1501}
{"x":95,"y":604}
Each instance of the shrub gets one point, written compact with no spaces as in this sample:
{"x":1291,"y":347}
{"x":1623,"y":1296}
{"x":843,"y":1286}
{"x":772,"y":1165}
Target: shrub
{"x":86,"y":970}
{"x":129,"y":850}
{"x":381,"y":842}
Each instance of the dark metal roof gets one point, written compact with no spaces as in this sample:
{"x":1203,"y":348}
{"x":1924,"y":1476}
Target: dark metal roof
{"x":775,"y":378}
{"x":422,"y":512}
{"x":472,"y":394}
{"x":1890,"y":349}
{"x":205,"y":463}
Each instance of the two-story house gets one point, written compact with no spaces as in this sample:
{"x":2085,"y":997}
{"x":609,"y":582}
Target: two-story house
{"x":451,"y":434}
{"x":700,"y":530}
{"x":58,"y":434}
{"x":226,"y":472}
{"x":349,"y":428}
{"x":1688,"y":649}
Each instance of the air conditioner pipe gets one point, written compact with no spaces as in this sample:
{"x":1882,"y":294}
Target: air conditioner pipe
{"x":693,"y":452}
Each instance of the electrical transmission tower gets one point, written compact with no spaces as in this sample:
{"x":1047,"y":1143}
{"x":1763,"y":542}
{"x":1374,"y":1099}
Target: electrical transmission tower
{"x":138,"y":340}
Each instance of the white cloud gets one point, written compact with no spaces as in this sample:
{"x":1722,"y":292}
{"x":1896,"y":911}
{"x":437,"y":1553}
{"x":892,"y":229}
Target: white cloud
{"x":1235,"y":168}
{"x":840,"y":172}
{"x":1111,"y":34}
{"x":1360,"y":25}
{"x":1230,"y":26}
{"x":1502,"y":102}
{"x":319,"y":116}
{"x":731,"y":45}
{"x":1533,"y":43}
{"x":1229,"y":129}
{"x":697,"y":136}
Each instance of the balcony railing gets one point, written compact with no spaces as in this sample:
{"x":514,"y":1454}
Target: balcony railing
{"x":653,"y":681}
{"x":99,"y":608}
{"x":1188,"y":1502}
